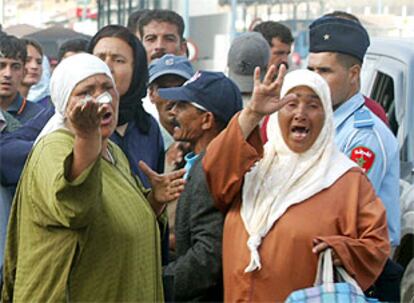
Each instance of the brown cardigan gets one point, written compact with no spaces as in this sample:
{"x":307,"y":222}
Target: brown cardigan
{"x":348,"y":216}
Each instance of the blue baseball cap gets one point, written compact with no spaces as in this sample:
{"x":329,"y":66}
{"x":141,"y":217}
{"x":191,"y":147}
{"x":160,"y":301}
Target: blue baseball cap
{"x":210,"y":90}
{"x":170,"y":65}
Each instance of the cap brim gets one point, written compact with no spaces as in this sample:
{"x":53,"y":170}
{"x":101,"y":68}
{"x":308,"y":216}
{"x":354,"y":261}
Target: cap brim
{"x":181,"y":93}
{"x":244,"y":82}
{"x":164,"y":72}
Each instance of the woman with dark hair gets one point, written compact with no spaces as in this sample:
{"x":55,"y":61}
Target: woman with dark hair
{"x":33,"y":66}
{"x":137,"y":132}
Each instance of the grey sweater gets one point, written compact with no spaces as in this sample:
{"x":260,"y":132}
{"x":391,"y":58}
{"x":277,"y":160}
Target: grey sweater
{"x":196,"y":274}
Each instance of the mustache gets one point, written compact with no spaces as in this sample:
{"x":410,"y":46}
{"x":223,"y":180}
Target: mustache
{"x":157,"y":55}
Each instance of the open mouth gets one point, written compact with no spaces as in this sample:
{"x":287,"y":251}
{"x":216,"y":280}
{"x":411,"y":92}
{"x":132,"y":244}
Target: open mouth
{"x":175,"y":123}
{"x":300,"y":132}
{"x":107,"y":118}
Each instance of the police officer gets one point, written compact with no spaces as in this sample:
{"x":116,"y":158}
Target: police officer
{"x":337,"y":48}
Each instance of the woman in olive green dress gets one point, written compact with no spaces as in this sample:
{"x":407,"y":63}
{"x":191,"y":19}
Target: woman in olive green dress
{"x":81,"y":226}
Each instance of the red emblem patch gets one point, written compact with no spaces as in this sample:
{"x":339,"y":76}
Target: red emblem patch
{"x":364,"y":157}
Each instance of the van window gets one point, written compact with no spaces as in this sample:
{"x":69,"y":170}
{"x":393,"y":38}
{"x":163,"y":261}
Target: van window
{"x":383,"y":93}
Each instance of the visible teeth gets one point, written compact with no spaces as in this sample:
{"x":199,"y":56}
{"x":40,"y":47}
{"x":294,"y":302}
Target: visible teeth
{"x":300,"y":129}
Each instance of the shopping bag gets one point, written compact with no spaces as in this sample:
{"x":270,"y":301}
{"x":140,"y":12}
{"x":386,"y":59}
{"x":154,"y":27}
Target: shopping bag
{"x":325,"y":290}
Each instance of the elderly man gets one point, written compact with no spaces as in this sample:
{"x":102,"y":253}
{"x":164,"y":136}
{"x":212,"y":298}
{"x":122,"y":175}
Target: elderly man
{"x":203,"y":107}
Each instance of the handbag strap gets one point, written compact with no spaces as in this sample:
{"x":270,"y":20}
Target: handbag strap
{"x":345,"y":277}
{"x":325,"y":272}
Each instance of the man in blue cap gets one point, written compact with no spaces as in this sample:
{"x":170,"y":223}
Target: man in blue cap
{"x":202,"y":108}
{"x":165,"y":72}
{"x":337,"y":49}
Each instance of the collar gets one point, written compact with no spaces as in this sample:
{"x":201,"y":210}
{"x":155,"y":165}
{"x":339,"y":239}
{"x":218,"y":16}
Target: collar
{"x":343,"y":112}
{"x":190,"y":159}
{"x":3,"y":122}
{"x":18,"y":105}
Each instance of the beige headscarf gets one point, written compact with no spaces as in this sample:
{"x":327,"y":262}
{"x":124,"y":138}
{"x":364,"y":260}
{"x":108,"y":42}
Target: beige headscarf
{"x":284,"y":178}
{"x":65,"y":77}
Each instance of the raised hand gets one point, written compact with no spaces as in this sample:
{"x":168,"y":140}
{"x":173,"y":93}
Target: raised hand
{"x":165,"y":187}
{"x":266,"y":94}
{"x":85,"y":118}
{"x":265,"y":99}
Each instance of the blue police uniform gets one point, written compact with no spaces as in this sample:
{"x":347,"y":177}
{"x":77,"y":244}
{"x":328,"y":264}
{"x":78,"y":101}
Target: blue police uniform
{"x":363,"y":137}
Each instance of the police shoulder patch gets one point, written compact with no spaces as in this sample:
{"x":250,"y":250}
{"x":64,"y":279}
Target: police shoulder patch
{"x":364,"y":157}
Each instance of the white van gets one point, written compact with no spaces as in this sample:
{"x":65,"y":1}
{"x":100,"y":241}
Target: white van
{"x":388,"y":77}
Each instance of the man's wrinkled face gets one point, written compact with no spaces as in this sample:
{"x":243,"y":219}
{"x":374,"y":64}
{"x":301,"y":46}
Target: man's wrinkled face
{"x":160,"y":38}
{"x":164,"y":109}
{"x":188,"y":121}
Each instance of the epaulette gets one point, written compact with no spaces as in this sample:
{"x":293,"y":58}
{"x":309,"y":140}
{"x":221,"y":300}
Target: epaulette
{"x":363,"y":118}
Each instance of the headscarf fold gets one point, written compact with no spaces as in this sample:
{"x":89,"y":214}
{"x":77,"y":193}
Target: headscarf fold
{"x":283,"y":178}
{"x":130,"y":105}
{"x":65,"y":77}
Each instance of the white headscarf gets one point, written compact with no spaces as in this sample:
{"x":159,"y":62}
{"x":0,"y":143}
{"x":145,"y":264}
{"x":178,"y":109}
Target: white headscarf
{"x":282,"y":177}
{"x":65,"y":77}
{"x":41,"y":89}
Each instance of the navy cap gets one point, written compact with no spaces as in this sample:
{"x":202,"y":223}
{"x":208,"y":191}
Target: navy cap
{"x":211,"y":90}
{"x":334,"y":34}
{"x":170,"y":65}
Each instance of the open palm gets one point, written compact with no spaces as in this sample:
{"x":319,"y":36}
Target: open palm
{"x":266,"y":94}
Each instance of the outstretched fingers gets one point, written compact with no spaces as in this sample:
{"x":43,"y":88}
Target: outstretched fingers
{"x":276,"y":84}
{"x":177,"y":174}
{"x":147,"y":170}
{"x":270,"y":75}
{"x":256,"y":76}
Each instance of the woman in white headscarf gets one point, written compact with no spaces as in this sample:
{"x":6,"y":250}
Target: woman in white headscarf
{"x":293,"y":198}
{"x":81,"y":227}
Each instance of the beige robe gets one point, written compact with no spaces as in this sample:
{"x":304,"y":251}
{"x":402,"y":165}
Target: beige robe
{"x":348,"y":216}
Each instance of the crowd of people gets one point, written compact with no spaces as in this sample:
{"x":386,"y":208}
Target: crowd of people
{"x":134,"y":177}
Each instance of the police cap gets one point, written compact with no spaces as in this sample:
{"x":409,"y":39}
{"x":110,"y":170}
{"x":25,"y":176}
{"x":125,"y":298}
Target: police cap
{"x":335,"y":34}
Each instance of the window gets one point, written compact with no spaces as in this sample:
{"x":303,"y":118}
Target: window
{"x":383,"y":93}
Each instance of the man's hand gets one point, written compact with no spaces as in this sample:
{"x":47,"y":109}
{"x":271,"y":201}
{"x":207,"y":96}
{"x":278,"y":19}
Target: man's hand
{"x":175,"y":153}
{"x":165,"y":187}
